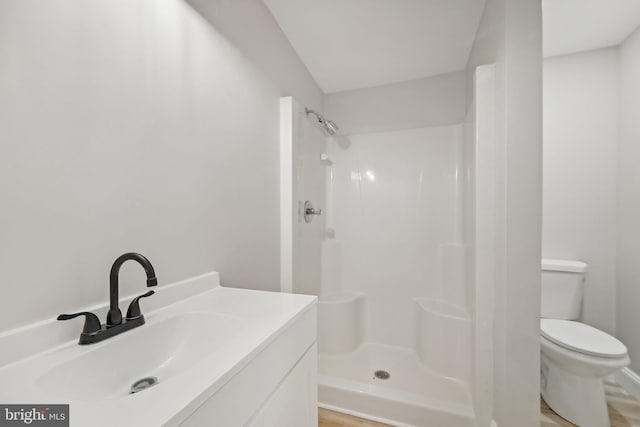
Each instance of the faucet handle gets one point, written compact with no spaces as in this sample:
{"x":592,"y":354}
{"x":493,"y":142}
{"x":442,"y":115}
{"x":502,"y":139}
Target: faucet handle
{"x":133,"y":312}
{"x":91,"y":321}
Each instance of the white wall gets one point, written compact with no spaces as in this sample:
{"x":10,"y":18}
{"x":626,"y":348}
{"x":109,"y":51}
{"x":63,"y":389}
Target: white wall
{"x":137,"y":126}
{"x":510,"y":36}
{"x":580,"y":135}
{"x":433,"y":101}
{"x":628,"y":208}
{"x":249,"y":26}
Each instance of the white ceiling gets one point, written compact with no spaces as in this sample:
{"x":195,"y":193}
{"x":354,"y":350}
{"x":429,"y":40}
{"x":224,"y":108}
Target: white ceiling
{"x":351,"y":44}
{"x":571,"y":26}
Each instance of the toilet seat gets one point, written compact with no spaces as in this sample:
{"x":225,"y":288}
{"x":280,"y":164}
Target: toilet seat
{"x":585,"y":339}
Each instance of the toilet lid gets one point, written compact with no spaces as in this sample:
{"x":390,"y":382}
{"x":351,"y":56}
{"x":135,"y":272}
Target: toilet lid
{"x":582,"y":338}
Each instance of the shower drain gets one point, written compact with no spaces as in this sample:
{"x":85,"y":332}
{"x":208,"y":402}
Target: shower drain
{"x":382,"y":375}
{"x":143,"y":384}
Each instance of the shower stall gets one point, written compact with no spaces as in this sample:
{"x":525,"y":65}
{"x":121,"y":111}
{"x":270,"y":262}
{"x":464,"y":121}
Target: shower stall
{"x":392,"y":301}
{"x":390,"y":253}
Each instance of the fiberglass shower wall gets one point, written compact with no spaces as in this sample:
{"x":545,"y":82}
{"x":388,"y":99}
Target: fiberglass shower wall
{"x":393,"y":259}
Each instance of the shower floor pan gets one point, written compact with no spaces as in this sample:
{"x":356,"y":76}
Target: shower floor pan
{"x":412,"y":395}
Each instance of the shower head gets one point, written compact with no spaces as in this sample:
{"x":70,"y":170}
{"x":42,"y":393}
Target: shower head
{"x":328,"y":125}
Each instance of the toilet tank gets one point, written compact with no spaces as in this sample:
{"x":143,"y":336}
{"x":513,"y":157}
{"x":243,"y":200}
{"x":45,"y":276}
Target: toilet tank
{"x":561,"y":289}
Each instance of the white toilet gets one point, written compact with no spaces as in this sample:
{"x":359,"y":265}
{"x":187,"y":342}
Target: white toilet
{"x":574,"y":357}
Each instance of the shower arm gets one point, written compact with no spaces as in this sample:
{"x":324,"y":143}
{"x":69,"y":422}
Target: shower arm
{"x":318,"y":116}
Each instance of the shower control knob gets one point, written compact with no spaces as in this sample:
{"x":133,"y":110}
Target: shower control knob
{"x":310,"y":211}
{"x":313,"y":211}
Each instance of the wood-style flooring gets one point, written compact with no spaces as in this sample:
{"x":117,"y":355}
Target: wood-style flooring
{"x":624,"y":411}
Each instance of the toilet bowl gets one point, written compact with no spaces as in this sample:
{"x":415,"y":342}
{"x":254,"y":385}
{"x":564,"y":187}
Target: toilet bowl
{"x":575,"y":359}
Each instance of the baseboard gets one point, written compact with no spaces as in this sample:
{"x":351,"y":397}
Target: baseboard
{"x":629,"y":380}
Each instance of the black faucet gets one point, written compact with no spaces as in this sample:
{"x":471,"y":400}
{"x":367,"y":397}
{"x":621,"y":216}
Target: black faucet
{"x":114,"y":317}
{"x":93,"y":331}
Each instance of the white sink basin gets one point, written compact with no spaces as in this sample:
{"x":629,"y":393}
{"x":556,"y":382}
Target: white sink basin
{"x":162,"y":349}
{"x":201,"y":341}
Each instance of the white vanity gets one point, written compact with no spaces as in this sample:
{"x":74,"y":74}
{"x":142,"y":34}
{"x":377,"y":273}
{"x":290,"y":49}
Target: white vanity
{"x":221,"y":357}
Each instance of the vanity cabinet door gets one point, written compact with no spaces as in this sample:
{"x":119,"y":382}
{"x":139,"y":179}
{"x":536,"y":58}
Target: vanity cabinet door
{"x":295,"y":402}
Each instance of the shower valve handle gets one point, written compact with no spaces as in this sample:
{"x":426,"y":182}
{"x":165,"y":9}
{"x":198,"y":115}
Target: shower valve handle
{"x":313,"y":211}
{"x":309,"y":211}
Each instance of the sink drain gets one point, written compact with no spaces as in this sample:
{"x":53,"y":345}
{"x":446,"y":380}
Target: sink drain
{"x":382,"y":375}
{"x":143,"y":384}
